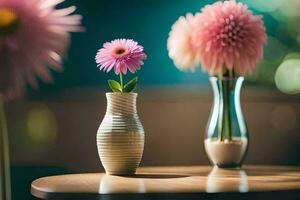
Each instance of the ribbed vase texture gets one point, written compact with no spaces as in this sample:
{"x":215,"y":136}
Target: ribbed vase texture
{"x":120,"y":137}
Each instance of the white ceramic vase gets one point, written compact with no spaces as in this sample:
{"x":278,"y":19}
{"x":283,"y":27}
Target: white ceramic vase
{"x":120,"y":137}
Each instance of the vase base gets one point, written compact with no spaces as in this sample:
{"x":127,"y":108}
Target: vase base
{"x":125,"y":173}
{"x":228,"y":166}
{"x":226,"y":154}
{"x":120,"y":153}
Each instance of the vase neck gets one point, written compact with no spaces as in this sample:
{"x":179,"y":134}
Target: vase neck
{"x":121,"y":103}
{"x":225,"y":88}
{"x":227,"y":105}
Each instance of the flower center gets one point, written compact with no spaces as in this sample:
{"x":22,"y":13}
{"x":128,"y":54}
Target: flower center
{"x":232,"y":33}
{"x":9,"y":21}
{"x":120,"y":51}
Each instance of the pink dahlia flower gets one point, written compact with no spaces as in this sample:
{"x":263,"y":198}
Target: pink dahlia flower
{"x":33,"y":35}
{"x":180,"y":45}
{"x":122,"y":55}
{"x":227,"y":34}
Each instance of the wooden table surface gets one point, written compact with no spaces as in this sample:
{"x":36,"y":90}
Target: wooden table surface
{"x":189,"y":182}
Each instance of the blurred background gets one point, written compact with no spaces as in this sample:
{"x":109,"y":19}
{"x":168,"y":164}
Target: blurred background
{"x":53,"y":130}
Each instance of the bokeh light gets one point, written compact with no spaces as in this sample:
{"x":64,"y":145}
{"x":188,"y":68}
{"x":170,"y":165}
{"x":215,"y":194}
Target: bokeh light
{"x":282,"y":18}
{"x":293,"y":55}
{"x":41,"y":125}
{"x":287,"y":77}
{"x":290,"y":8}
{"x":264,"y":5}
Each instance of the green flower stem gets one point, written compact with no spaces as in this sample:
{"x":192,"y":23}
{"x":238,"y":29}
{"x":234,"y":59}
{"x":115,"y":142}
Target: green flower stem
{"x":121,"y":81}
{"x":224,"y":121}
{"x":227,"y":116}
{"x":220,"y":118}
{"x":5,"y":192}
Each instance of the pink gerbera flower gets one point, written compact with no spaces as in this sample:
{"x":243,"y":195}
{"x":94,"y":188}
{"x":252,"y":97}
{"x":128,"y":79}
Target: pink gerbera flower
{"x":122,"y":55}
{"x":227,"y":34}
{"x":33,"y":35}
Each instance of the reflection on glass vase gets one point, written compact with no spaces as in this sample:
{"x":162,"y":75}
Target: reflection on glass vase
{"x":226,"y":141}
{"x":218,"y":179}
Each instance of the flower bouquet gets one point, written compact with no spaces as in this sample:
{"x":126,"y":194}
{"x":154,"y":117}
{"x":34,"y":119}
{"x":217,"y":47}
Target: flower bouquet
{"x":227,"y":40}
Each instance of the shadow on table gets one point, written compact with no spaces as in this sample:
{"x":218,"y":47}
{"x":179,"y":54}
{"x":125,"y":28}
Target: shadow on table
{"x":156,"y":176}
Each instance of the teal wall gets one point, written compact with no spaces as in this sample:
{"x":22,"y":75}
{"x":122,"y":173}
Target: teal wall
{"x":146,"y":21}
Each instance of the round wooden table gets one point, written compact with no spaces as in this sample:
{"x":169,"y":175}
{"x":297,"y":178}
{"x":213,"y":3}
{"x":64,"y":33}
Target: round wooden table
{"x":189,"y":182}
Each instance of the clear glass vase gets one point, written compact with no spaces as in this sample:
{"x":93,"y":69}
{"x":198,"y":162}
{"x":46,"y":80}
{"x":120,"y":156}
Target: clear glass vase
{"x":226,"y":142}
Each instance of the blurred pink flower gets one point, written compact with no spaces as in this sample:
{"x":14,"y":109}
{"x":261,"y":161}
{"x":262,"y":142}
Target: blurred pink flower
{"x":227,"y":34}
{"x":180,"y":45}
{"x":120,"y":54}
{"x":33,"y":35}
